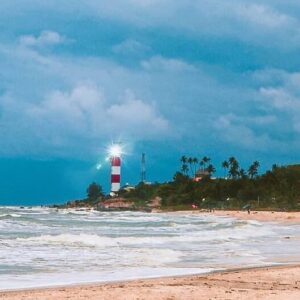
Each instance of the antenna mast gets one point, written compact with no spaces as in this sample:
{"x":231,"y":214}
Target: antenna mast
{"x":143,"y":168}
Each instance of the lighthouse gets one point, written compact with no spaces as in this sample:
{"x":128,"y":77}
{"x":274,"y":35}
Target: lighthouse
{"x":115,"y":158}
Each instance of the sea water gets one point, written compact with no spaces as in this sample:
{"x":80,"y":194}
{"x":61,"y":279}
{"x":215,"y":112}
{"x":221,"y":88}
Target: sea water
{"x":44,"y":246}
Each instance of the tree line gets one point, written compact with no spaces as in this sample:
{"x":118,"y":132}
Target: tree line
{"x":278,"y":188}
{"x":191,"y":165}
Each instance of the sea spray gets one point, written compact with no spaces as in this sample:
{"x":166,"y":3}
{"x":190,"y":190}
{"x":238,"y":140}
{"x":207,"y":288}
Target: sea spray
{"x":42,"y":246}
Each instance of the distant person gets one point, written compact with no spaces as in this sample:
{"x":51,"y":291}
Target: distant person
{"x":247,"y":207}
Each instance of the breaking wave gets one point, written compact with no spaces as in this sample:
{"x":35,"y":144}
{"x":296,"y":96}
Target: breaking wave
{"x":74,"y":245}
{"x":10,"y":216}
{"x":70,"y":239}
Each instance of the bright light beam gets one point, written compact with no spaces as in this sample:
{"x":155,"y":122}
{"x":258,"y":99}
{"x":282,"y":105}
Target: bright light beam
{"x":115,"y":151}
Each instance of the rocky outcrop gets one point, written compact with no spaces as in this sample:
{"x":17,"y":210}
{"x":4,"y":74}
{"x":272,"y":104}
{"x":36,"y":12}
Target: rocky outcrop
{"x":155,"y":202}
{"x":117,"y":204}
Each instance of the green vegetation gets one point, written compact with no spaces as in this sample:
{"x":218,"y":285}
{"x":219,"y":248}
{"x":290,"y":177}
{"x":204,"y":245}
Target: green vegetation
{"x":94,"y":196}
{"x":142,"y":193}
{"x":94,"y":192}
{"x":278,"y":188}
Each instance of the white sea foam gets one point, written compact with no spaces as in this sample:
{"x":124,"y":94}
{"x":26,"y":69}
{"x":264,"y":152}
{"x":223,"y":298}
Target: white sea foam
{"x":10,"y":215}
{"x":42,"y":245}
{"x":70,"y":239}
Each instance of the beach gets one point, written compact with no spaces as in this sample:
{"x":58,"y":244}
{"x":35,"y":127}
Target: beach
{"x":231,"y":255}
{"x":261,"y":216}
{"x":257,"y":283}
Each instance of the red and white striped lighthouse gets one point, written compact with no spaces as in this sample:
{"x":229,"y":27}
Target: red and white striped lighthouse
{"x":115,"y":158}
{"x":115,"y":173}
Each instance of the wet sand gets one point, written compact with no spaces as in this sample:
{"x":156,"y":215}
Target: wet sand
{"x":258,"y":283}
{"x":262,"y":216}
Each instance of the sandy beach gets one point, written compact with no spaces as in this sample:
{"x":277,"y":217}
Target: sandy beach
{"x":259,"y":283}
{"x":261,"y":216}
{"x":280,"y":282}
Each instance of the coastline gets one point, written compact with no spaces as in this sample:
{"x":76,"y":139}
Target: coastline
{"x":262,"y":282}
{"x":276,"y":282}
{"x":261,"y":216}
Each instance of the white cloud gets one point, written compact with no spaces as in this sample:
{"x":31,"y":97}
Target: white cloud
{"x":75,"y":122}
{"x":267,"y":23}
{"x":185,"y":95}
{"x":263,"y":16}
{"x":137,"y":117}
{"x":46,"y":38}
{"x":235,"y":130}
{"x":285,"y":101}
{"x":284,"y":96}
{"x":280,"y":99}
{"x":262,"y":23}
{"x":158,"y":63}
{"x":130,"y":46}
{"x":271,"y":121}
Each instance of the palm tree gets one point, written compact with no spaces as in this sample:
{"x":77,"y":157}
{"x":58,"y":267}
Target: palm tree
{"x":225,"y":166}
{"x":234,"y":167}
{"x":195,"y":162}
{"x":185,"y":169}
{"x":190,"y":162}
{"x":243,"y":173}
{"x":257,"y":164}
{"x":201,"y":164}
{"x":232,"y":160}
{"x":183,"y":160}
{"x":205,"y":160}
{"x":253,"y":169}
{"x":211,"y":169}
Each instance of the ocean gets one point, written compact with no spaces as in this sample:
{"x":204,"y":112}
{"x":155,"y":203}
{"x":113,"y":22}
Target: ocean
{"x":45,"y":247}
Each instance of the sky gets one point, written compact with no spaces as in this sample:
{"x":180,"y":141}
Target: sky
{"x":168,"y":78}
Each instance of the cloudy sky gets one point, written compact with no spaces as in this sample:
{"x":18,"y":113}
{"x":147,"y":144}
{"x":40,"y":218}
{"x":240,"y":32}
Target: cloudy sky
{"x":165,"y":77}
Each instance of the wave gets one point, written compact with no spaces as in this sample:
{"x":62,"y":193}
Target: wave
{"x":154,"y":257}
{"x":71,"y":239}
{"x":145,"y":238}
{"x":12,"y":215}
{"x":64,"y":243}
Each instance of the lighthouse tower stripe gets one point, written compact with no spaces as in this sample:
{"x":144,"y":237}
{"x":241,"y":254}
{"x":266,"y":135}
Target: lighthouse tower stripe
{"x":116,"y":161}
{"x":115,"y":187}
{"x":115,"y":178}
{"x":115,"y":170}
{"x":115,"y":173}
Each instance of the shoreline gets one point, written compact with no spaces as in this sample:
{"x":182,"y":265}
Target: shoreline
{"x":120,"y":281}
{"x":253,"y":283}
{"x":292,"y":218}
{"x":281,"y":280}
{"x":289,"y":217}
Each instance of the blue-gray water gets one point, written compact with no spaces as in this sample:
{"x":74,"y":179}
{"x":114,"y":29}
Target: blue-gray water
{"x":42,"y":246}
